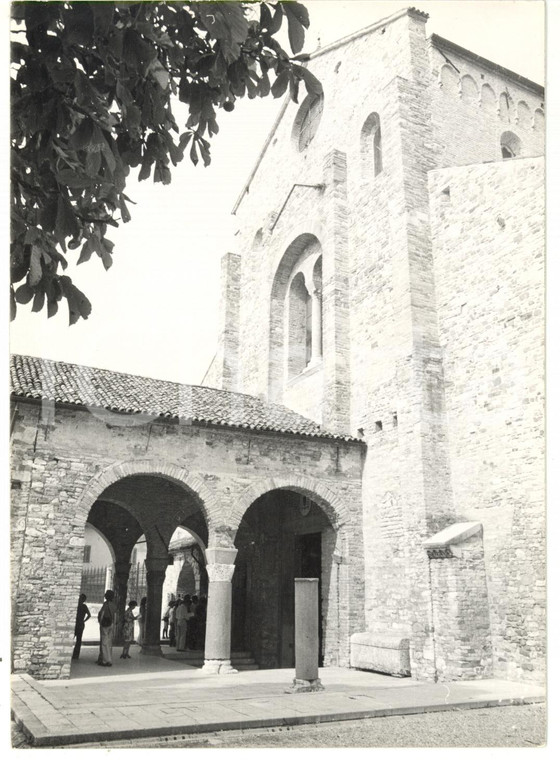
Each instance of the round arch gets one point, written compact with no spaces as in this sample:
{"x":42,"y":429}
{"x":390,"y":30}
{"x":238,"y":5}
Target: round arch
{"x":330,"y":503}
{"x":114,"y":472}
{"x":305,"y":242}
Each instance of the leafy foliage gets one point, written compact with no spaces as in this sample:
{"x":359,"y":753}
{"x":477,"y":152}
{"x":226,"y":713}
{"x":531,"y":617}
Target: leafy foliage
{"x":93,"y":88}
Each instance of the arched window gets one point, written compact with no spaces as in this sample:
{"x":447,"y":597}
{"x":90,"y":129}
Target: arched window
{"x":295,"y":314}
{"x":370,"y":140}
{"x":307,"y":121}
{"x":510,"y":145}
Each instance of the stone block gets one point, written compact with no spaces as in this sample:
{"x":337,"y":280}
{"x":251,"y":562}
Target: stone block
{"x":383,"y":654}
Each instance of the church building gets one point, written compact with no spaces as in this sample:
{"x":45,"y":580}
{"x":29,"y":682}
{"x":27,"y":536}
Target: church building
{"x":374,"y":415}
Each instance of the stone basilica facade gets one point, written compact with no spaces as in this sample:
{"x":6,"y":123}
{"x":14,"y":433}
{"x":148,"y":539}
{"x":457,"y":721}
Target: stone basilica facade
{"x":374,"y":415}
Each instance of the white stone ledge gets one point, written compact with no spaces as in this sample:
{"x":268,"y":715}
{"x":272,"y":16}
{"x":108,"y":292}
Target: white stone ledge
{"x":453,"y":534}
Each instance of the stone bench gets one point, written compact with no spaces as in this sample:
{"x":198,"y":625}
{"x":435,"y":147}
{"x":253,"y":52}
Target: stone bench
{"x":383,"y":654}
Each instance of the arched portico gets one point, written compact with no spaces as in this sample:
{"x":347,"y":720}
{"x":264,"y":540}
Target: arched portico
{"x":151,"y":498}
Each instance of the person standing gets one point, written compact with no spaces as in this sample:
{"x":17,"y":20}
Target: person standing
{"x":181,"y":617}
{"x":107,"y":619}
{"x":172,"y":613}
{"x":82,"y":616}
{"x":128,"y":629}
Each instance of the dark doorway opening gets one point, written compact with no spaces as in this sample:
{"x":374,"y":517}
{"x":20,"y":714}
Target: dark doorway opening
{"x":283,"y":536}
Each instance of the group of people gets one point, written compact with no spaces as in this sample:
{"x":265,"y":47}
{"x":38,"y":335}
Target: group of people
{"x":184,"y":625}
{"x":107,"y":619}
{"x":185,"y":622}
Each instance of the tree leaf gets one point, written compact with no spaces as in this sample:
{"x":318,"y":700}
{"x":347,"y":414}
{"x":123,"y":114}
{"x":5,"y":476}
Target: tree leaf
{"x":159,"y":73}
{"x":280,"y":84}
{"x":24,"y":293}
{"x":299,"y":11}
{"x":38,"y":301}
{"x":312,"y":84}
{"x":296,"y":34}
{"x":35,"y":269}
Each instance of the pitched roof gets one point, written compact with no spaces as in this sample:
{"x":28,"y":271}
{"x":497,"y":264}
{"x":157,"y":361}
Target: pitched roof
{"x":36,"y":378}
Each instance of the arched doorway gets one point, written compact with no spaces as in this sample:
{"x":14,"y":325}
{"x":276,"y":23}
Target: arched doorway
{"x":283,"y":535}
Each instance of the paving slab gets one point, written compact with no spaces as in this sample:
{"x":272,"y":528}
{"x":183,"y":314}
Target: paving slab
{"x":153,"y":696}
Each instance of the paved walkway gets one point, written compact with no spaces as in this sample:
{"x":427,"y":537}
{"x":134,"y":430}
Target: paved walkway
{"x":152,"y":696}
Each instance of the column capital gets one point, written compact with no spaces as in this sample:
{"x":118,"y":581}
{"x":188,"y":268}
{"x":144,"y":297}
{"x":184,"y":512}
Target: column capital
{"x":220,"y":572}
{"x":220,"y":555}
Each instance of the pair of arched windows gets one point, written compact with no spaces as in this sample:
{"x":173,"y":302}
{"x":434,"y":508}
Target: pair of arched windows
{"x":304,"y":312}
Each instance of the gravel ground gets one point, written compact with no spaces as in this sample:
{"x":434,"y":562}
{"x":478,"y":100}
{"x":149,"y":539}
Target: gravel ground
{"x":518,"y":726}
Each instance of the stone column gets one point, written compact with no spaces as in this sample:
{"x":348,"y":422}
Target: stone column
{"x":307,"y":635}
{"x":316,"y":339}
{"x":155,"y":575}
{"x":122,"y":571}
{"x":217,"y":649}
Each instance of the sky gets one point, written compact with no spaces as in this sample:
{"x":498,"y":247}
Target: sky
{"x":155,"y":312}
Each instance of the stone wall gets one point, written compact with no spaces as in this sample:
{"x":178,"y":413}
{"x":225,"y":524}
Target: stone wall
{"x":489,"y":270}
{"x":65,"y":460}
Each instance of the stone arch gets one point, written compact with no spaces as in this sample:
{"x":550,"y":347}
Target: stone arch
{"x":114,"y":472}
{"x":510,"y":145}
{"x":469,"y":89}
{"x":330,"y":503}
{"x":487,"y":98}
{"x":449,"y":79}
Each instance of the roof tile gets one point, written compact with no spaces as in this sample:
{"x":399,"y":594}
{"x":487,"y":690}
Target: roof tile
{"x":34,"y":377}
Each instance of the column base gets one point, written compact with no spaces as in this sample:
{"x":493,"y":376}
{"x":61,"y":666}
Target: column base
{"x":303,"y":685}
{"x":151,"y":649}
{"x":218,"y":667}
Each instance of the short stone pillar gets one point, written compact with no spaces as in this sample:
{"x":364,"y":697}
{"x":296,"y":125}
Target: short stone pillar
{"x":217,"y":648}
{"x":122,"y":571}
{"x":155,"y":575}
{"x":307,"y":635}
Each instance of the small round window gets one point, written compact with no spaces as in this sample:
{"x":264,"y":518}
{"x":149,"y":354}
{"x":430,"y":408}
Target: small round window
{"x":307,"y":121}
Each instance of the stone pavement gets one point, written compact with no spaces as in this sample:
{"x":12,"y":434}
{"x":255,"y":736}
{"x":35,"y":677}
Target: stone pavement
{"x":152,"y":696}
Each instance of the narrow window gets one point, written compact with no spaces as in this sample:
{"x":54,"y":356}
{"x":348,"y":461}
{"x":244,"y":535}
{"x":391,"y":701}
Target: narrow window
{"x":87,"y":554}
{"x":371,"y":148}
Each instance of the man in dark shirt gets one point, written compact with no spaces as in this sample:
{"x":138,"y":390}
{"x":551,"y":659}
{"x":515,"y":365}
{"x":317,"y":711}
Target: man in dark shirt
{"x":82,"y":616}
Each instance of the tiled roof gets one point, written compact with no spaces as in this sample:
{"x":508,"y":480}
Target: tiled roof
{"x":33,"y":377}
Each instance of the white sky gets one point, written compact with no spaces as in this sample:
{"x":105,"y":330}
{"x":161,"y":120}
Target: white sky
{"x":155,"y":311}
